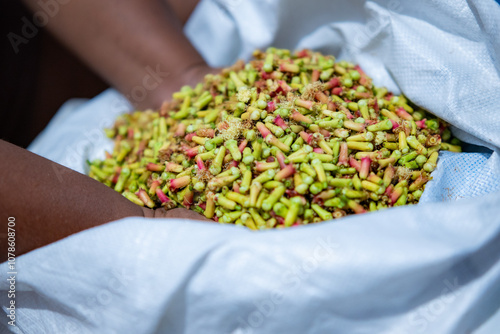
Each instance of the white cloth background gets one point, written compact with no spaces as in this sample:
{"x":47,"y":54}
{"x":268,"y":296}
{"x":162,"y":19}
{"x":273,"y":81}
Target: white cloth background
{"x":429,"y":268}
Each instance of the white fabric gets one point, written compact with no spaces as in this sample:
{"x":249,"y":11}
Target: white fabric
{"x":430,"y":268}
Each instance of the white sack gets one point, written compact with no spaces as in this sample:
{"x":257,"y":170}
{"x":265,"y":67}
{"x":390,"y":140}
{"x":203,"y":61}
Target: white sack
{"x":429,"y":268}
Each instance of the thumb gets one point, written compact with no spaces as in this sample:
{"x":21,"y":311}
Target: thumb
{"x":179,"y":213}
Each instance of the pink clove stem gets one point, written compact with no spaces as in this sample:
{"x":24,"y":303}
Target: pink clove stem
{"x":315,"y":75}
{"x":192,"y":152}
{"x":242,"y":145}
{"x":343,"y":154}
{"x":154,"y":167}
{"x":263,"y":166}
{"x":302,"y":53}
{"x":265,"y":75}
{"x":365,"y":167}
{"x":188,"y":198}
{"x":304,"y":104}
{"x":333,"y":83}
{"x":117,"y":175}
{"x":130,"y":133}
{"x":354,"y":163}
{"x":280,"y":122}
{"x":395,"y":124}
{"x":200,"y":164}
{"x":394,"y":196}
{"x":402,"y":113}
{"x":287,"y":67}
{"x":359,"y":69}
{"x":154,"y":185}
{"x":271,"y":106}
{"x":337,"y":91}
{"x":276,"y":92}
{"x":421,"y":124}
{"x":281,"y":159}
{"x":181,"y":130}
{"x":189,"y":136}
{"x":179,"y":182}
{"x":280,"y":220}
{"x":318,"y":150}
{"x":306,"y":136}
{"x":331,"y":106}
{"x":144,"y":197}
{"x":161,"y":196}
{"x":389,"y":190}
{"x":321,"y":97}
{"x":325,"y":133}
{"x":264,"y":131}
{"x":356,"y":207}
{"x":284,"y":86}
{"x":301,"y":118}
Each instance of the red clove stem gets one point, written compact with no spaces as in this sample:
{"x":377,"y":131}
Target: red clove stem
{"x":242,"y":145}
{"x":365,"y":167}
{"x":280,"y":122}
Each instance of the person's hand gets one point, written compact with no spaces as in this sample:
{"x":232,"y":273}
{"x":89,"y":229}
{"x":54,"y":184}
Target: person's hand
{"x":138,"y":47}
{"x":190,"y":76}
{"x":195,"y":74}
{"x":174,"y":213}
{"x":75,"y":202}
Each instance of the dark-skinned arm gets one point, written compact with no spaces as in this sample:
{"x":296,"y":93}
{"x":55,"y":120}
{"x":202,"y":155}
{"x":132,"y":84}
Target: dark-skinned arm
{"x":50,"y":202}
{"x":138,"y":46}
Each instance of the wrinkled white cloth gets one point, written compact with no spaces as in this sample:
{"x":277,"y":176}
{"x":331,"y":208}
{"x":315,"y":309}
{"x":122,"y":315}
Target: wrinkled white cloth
{"x":429,"y":268}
